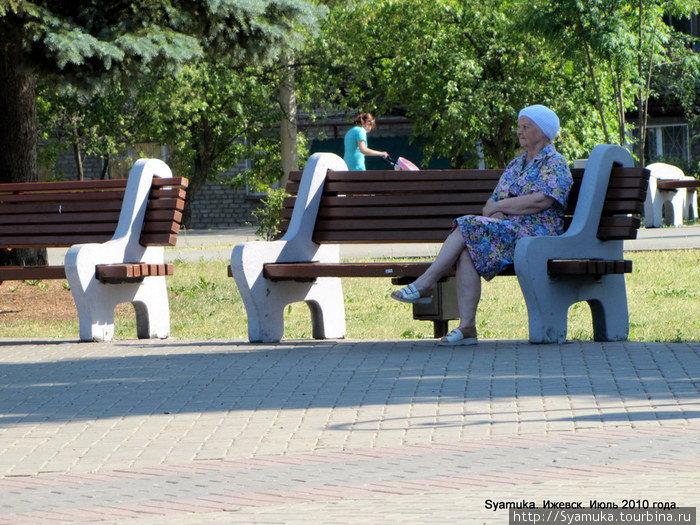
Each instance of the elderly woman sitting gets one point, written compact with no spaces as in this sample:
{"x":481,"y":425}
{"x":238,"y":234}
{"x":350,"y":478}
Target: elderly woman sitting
{"x":529,"y":200}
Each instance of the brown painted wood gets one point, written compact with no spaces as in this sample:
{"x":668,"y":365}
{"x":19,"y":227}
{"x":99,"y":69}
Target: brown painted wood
{"x":676,"y":184}
{"x":61,"y":214}
{"x":379,"y":237}
{"x":312,"y":270}
{"x":31,"y":273}
{"x":53,"y":187}
{"x":422,"y":175}
{"x":62,"y":197}
{"x":131,"y":271}
{"x":588,"y":266}
{"x":355,"y":206}
{"x":180,"y":182}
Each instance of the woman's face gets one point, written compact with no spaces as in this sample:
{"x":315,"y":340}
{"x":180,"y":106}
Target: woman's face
{"x":529,"y":133}
{"x":369,"y":125}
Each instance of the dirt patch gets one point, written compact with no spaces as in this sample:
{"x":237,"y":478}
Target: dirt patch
{"x":40,"y":301}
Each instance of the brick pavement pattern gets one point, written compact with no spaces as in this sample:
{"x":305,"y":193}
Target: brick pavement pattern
{"x":184,"y":432}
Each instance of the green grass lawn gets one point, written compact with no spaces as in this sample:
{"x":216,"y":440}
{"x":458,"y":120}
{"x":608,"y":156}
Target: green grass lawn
{"x":663,"y":294}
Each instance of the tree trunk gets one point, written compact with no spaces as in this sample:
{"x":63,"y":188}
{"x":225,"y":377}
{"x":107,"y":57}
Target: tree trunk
{"x":78,"y":160}
{"x":18,"y":136}
{"x":105,"y":166}
{"x":288,"y":123}
{"x":596,"y":90}
{"x":202,"y":168}
{"x":641,"y":117}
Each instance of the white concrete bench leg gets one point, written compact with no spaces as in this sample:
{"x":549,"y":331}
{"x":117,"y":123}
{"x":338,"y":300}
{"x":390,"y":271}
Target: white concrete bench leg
{"x":97,"y":303}
{"x":609,"y":310}
{"x":690,"y":207}
{"x":96,"y":300}
{"x":674,"y":211}
{"x":265,"y":300}
{"x":548,"y":301}
{"x":152,"y":309}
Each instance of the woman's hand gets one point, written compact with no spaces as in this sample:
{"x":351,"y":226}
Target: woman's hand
{"x":522,"y":205}
{"x":491,"y":208}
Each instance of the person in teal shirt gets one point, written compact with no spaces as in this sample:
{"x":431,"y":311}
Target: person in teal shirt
{"x":356,"y":143}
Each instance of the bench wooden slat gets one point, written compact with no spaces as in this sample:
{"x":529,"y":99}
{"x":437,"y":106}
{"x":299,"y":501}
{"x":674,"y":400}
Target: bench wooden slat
{"x":108,"y":273}
{"x":126,"y":272}
{"x":180,"y":182}
{"x":161,"y":227}
{"x":62,"y":186}
{"x":406,"y":200}
{"x":56,"y":218}
{"x":451,"y":211}
{"x":158,"y":239}
{"x":436,"y":176}
{"x":620,"y":221}
{"x":623,"y":207}
{"x":58,"y":241}
{"x":371,"y":224}
{"x":588,"y":266}
{"x":31,"y":273}
{"x":41,"y":230}
{"x":617,"y":234}
{"x":314,"y":270}
{"x":374,"y":188}
{"x":66,"y":207}
{"x":85,"y":185}
{"x":676,"y":184}
{"x":169,"y":193}
{"x":379,"y":237}
{"x":62,"y":197}
{"x":166,"y":204}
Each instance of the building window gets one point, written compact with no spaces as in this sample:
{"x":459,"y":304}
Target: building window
{"x":668,"y":142}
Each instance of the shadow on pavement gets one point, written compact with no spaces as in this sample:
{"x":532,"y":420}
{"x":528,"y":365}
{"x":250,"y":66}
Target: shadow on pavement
{"x":301,"y":375}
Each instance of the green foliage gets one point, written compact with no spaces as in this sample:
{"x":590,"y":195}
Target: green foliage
{"x":460,"y":70}
{"x":101,"y":124}
{"x":630,"y":51}
{"x":211,"y":115}
{"x":269,"y":214}
{"x":89,"y":40}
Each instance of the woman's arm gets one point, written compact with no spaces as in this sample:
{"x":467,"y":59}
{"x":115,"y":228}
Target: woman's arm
{"x":362,"y":146}
{"x":522,"y":205}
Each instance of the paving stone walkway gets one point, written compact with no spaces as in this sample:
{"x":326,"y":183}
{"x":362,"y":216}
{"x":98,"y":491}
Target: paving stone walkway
{"x":188,"y":432}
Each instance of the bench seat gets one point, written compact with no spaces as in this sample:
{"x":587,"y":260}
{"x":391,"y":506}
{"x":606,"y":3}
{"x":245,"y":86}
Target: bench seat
{"x":313,"y":270}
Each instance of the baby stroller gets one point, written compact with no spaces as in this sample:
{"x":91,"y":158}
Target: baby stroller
{"x":402,"y":164}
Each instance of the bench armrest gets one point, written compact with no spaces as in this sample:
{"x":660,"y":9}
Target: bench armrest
{"x":303,"y":221}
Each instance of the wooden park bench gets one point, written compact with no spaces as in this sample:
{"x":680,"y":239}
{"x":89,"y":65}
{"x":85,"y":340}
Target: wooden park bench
{"x":115,"y":230}
{"x":331,"y":206}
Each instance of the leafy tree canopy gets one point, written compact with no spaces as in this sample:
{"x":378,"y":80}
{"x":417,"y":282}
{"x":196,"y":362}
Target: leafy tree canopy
{"x":82,"y":40}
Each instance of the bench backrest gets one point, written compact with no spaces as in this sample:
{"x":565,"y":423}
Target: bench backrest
{"x":60,"y":214}
{"x":419,"y":206}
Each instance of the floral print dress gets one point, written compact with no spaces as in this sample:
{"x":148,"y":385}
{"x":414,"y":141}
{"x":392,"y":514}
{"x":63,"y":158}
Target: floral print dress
{"x":491,"y":242}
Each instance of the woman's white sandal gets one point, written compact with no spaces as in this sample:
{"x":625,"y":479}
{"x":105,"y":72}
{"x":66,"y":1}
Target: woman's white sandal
{"x":460,"y":336}
{"x":410,"y":294}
